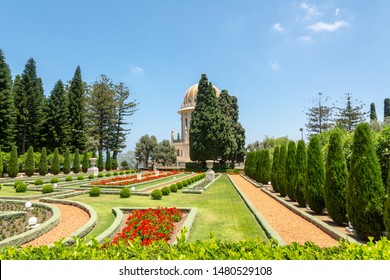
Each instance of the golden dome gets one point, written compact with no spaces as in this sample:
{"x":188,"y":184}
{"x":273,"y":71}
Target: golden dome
{"x":190,"y":96}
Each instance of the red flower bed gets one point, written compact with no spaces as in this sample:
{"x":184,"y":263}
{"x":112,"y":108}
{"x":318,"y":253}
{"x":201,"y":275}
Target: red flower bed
{"x":148,"y":225}
{"x":128,"y":180}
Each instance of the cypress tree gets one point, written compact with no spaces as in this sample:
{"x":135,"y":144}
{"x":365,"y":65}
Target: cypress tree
{"x":291,"y":170}
{"x":282,"y":170}
{"x":275,"y":162}
{"x":7,"y":108}
{"x":76,"y":161}
{"x":373,"y":116}
{"x":13,"y":165}
{"x":301,"y":169}
{"x":315,"y":177}
{"x":85,"y":163}
{"x":266,"y":167}
{"x":386,"y":211}
{"x":55,"y":165}
{"x":100,"y":163}
{"x":365,"y":191}
{"x":336,"y":179}
{"x":258,"y":166}
{"x":66,"y":166}
{"x":43,"y":168}
{"x":77,"y":111}
{"x":29,"y":166}
{"x":386,"y":108}
{"x":108,"y":161}
{"x":1,"y":163}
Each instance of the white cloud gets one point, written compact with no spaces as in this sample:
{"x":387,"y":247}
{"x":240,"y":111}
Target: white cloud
{"x":274,"y":66}
{"x":136,"y":69}
{"x":278,"y":27}
{"x":304,"y":38}
{"x":311,"y":10}
{"x":336,"y":12}
{"x":322,"y":26}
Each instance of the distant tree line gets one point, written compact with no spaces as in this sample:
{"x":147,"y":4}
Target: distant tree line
{"x":74,"y":115}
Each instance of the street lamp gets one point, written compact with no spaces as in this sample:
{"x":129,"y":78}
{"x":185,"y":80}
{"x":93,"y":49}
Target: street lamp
{"x":301,"y":129}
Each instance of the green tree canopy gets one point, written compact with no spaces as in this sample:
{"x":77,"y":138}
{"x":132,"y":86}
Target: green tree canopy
{"x":164,"y":153}
{"x":145,"y":147}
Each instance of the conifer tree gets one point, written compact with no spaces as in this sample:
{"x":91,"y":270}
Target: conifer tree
{"x":66,"y":166}
{"x":1,"y":163}
{"x":301,"y":169}
{"x":350,"y":115}
{"x":85,"y":163}
{"x":365,"y":191}
{"x":291,"y":169}
{"x":29,"y":166}
{"x":7,"y":108}
{"x":76,"y":161}
{"x":315,"y":177}
{"x":57,"y":121}
{"x":43,"y":168}
{"x":100,"y":163}
{"x":319,"y":116}
{"x":386,"y":108}
{"x":13,"y":165}
{"x":386,"y":211}
{"x":275,"y":162}
{"x":282,"y":170}
{"x":108,"y":161}
{"x":266,"y":166}
{"x":77,"y":111}
{"x":373,"y":116}
{"x":55,"y":165}
{"x":336,"y":178}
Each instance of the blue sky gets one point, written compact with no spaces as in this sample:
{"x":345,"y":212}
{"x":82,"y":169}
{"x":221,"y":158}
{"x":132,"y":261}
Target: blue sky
{"x":275,"y":56}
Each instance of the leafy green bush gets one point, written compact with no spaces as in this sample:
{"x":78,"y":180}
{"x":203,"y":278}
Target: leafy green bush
{"x":179,"y":185}
{"x":124,"y":193}
{"x":100,"y":175}
{"x":165,"y":191}
{"x":68,"y":178}
{"x":80,"y":177}
{"x":173,"y":187}
{"x":18,"y":182}
{"x":54,"y":180}
{"x":156,"y":194}
{"x":91,"y":176}
{"x":21,"y":187}
{"x":1,"y":186}
{"x":128,"y":172}
{"x":108,"y":174}
{"x":38,"y":182}
{"x":184,"y":183}
{"x":116,"y":173}
{"x":121,"y":173}
{"x":47,"y":188}
{"x":94,"y":191}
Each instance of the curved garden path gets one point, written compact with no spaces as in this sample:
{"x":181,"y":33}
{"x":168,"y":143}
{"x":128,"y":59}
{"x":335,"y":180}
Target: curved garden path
{"x":290,"y":226}
{"x":72,"y":218}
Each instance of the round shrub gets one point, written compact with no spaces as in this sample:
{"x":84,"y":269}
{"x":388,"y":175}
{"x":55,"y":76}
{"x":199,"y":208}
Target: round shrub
{"x":1,"y":186}
{"x":21,"y":187}
{"x":68,"y":178}
{"x":80,"y":177}
{"x":47,"y":188}
{"x":54,"y":180}
{"x":17,"y":183}
{"x":121,"y":173}
{"x":179,"y":185}
{"x":115,"y":173}
{"x":108,"y":174}
{"x":124,"y":193}
{"x":165,"y":191}
{"x":94,"y":191}
{"x":185,"y":183}
{"x":100,"y":175}
{"x":156,"y":194}
{"x":128,"y":172}
{"x":91,"y":176}
{"x":174,"y":188}
{"x":38,"y":182}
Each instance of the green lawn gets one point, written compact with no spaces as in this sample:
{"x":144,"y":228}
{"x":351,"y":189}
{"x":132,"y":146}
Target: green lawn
{"x":10,"y":191}
{"x":220,"y":211}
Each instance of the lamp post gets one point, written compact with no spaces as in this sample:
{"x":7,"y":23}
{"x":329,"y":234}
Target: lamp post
{"x":301,"y":129}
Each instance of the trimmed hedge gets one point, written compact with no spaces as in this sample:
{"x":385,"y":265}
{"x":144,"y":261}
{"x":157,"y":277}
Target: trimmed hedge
{"x":156,"y":194}
{"x":94,"y":191}
{"x":124,"y":193}
{"x":47,"y":189}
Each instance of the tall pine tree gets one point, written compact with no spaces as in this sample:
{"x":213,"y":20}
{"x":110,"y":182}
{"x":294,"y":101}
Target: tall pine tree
{"x":319,"y":116}
{"x":77,"y":112}
{"x":7,"y":108}
{"x":350,"y":114}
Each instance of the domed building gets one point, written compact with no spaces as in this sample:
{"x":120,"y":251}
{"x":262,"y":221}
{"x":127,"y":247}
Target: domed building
{"x":182,"y":141}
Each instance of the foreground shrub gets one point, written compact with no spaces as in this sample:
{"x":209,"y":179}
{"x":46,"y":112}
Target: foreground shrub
{"x":100,"y":175}
{"x":91,"y":176}
{"x":94,"y":191}
{"x":165,"y":191}
{"x":124,"y":193}
{"x":47,"y":189}
{"x":173,"y":188}
{"x":179,"y":185}
{"x":80,"y":177}
{"x":38,"y":182}
{"x":1,"y":186}
{"x":21,"y":187}
{"x":68,"y":178}
{"x":156,"y":194}
{"x":365,"y":191}
{"x":17,"y":183}
{"x":54,"y":180}
{"x":108,"y":174}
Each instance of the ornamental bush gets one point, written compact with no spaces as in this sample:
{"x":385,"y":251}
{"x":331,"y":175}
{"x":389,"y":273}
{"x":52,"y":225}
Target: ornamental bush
{"x":38,"y":182}
{"x":282,"y":170}
{"x":173,"y":187}
{"x":68,"y":178}
{"x":108,"y":174}
{"x":43,"y":168}
{"x":55,"y":165}
{"x":124,"y":193}
{"x":179,"y":185}
{"x":100,"y":175}
{"x":54,"y":180}
{"x":185,"y":183}
{"x":108,"y":164}
{"x":291,"y":170}
{"x":1,"y":186}
{"x":315,"y":176}
{"x":21,"y":187}
{"x":274,"y":169}
{"x":386,"y":211}
{"x":76,"y":161}
{"x":336,"y":178}
{"x":29,"y":166}
{"x":85,"y":163}
{"x":365,"y":191}
{"x":301,"y":169}
{"x":156,"y":194}
{"x":13,"y":165}
{"x":17,"y":183}
{"x":80,"y":177}
{"x":115,"y":173}
{"x":166,"y":190}
{"x":91,"y":176}
{"x":94,"y":191}
{"x":66,"y":165}
{"x":47,"y":189}
{"x":100,"y":164}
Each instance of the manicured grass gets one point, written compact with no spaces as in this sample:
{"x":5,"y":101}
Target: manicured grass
{"x":10,"y":191}
{"x":221,"y":211}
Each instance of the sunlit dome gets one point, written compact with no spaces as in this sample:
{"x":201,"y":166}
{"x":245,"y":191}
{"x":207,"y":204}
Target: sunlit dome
{"x":190,"y":96}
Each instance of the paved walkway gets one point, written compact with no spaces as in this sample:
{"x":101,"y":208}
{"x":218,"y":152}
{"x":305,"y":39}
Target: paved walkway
{"x":290,"y":226}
